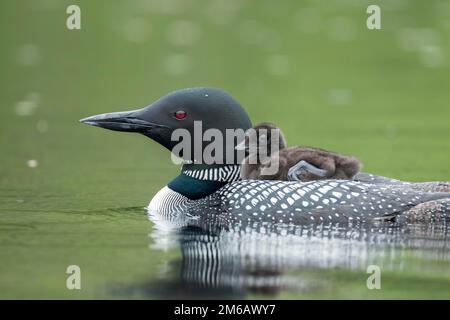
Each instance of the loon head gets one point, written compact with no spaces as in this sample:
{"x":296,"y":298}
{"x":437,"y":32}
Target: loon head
{"x":195,"y":110}
{"x":213,"y":107}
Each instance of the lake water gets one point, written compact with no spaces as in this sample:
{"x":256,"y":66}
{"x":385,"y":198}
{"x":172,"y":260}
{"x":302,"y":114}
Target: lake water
{"x":76,"y":195}
{"x":301,"y":261}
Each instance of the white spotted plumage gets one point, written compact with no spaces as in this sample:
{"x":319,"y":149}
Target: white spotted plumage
{"x":294,"y":202}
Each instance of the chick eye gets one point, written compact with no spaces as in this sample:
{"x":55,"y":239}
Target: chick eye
{"x":180,"y":115}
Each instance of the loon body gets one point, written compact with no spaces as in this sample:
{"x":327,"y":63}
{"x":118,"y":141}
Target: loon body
{"x":290,"y":202}
{"x":214,"y":195}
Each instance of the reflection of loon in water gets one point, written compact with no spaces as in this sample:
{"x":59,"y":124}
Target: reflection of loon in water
{"x":210,"y":194}
{"x":269,"y":259}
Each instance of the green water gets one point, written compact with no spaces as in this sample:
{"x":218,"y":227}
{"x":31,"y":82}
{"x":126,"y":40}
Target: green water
{"x":318,"y":73}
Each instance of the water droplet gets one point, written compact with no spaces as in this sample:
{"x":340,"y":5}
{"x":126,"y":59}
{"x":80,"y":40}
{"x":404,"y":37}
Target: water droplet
{"x":28,"y":105}
{"x":32,"y":163}
{"x":431,"y":56}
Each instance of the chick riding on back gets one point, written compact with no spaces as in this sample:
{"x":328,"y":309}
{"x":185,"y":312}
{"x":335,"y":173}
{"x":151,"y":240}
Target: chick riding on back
{"x":265,"y":145}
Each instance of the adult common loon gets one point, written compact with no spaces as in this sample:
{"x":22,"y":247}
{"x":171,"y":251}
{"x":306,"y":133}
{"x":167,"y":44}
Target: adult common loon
{"x":214,"y":194}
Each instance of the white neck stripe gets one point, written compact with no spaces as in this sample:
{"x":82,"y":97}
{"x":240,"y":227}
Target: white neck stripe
{"x":224,"y":174}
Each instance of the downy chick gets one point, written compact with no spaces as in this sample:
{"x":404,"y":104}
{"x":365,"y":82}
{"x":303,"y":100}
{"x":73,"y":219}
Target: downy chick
{"x":268,"y":158}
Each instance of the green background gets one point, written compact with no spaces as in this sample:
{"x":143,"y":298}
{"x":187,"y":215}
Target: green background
{"x":312,"y":67}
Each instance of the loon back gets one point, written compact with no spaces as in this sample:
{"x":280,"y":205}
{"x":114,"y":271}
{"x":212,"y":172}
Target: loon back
{"x":289,"y":202}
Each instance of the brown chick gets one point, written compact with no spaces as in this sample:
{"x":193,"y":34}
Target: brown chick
{"x":265,"y":146}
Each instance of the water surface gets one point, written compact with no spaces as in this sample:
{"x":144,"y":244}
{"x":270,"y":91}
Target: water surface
{"x":73,"y":194}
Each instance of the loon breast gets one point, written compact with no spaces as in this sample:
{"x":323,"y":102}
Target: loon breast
{"x":289,"y":202}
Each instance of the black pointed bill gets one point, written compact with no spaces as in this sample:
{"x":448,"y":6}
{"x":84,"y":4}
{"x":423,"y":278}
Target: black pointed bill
{"x":120,"y":121}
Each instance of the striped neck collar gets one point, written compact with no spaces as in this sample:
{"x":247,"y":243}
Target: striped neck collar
{"x":219,"y":173}
{"x":198,"y":181}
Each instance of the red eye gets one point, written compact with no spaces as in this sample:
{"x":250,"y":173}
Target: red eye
{"x":180,"y":115}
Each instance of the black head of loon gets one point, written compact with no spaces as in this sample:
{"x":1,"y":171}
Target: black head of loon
{"x":215,"y":108}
